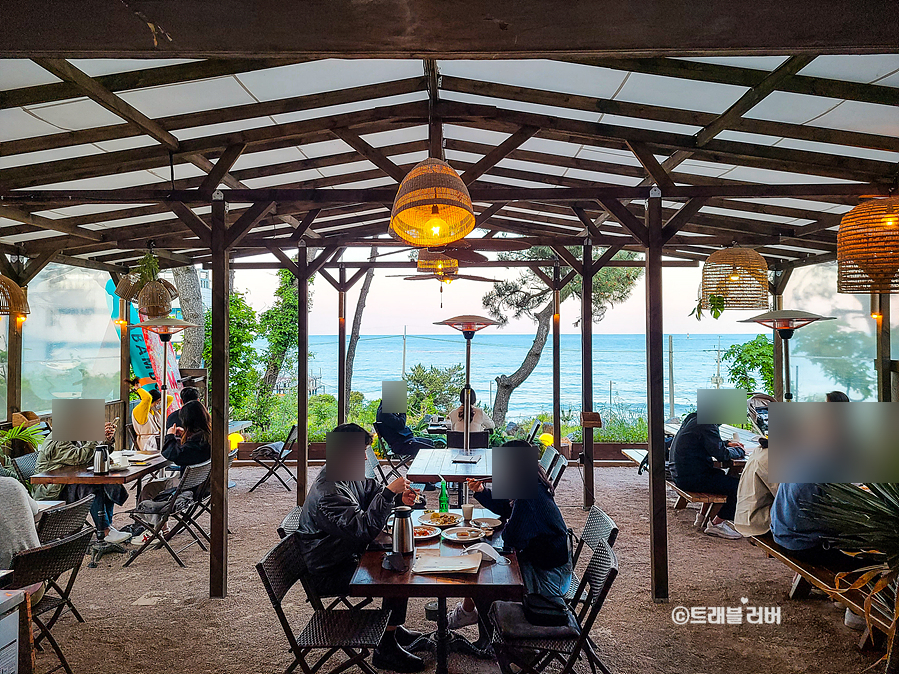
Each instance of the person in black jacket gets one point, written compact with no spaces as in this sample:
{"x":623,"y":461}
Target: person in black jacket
{"x":693,"y":452}
{"x":398,"y":436}
{"x":339,"y":520}
{"x":187,"y":394}
{"x":187,"y":444}
{"x":536,"y":530}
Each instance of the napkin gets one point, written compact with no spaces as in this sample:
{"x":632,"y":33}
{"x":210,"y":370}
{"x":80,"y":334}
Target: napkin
{"x":487,"y":551}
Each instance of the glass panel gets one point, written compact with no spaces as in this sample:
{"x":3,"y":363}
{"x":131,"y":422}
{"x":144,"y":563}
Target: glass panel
{"x":70,"y":343}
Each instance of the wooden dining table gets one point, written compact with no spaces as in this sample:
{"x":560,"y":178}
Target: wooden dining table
{"x":492,"y":582}
{"x":430,"y":464}
{"x":85,"y":475}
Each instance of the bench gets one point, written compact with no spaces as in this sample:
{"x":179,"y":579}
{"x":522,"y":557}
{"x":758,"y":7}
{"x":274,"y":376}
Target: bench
{"x":809,"y":576}
{"x":711,"y":503}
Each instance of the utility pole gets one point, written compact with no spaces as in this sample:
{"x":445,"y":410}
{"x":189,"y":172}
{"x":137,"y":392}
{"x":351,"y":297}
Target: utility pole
{"x":671,"y":376}
{"x":404,"y":353}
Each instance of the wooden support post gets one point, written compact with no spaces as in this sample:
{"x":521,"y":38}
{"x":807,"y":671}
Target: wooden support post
{"x":778,"y":355}
{"x":882,"y":358}
{"x":302,"y":374}
{"x":587,"y":368}
{"x":218,"y":402}
{"x":557,"y":359}
{"x":655,"y":391}
{"x":125,"y":369}
{"x":14,"y":366}
{"x":341,"y":347}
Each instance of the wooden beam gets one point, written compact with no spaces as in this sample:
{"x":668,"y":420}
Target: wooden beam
{"x":373,"y":154}
{"x":592,"y":229}
{"x":48,"y":224}
{"x":626,"y":219}
{"x":435,"y":124}
{"x":323,"y":257}
{"x":222,"y":167}
{"x":587,"y":370}
{"x":9,"y":270}
{"x":330,"y":279}
{"x":286,"y":262}
{"x":305,"y":224}
{"x":246,"y":222}
{"x":681,"y":218}
{"x":302,"y":277}
{"x":647,"y":159}
{"x":34,"y":266}
{"x":193,"y":221}
{"x":500,"y":152}
{"x":487,"y":213}
{"x":751,"y":98}
{"x":103,"y":96}
{"x":605,"y":259}
{"x":570,"y":259}
{"x":543,"y":277}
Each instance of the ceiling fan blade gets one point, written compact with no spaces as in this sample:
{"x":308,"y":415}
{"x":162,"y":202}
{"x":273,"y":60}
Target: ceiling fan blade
{"x":466,"y":255}
{"x":423,"y":277}
{"x":475,"y":278}
{"x":497,"y":244}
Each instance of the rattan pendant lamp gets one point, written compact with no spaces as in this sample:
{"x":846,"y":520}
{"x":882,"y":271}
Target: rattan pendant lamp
{"x":868,"y":248}
{"x":436,"y":263}
{"x":432,"y":206}
{"x":13,"y":301}
{"x":739,"y":275}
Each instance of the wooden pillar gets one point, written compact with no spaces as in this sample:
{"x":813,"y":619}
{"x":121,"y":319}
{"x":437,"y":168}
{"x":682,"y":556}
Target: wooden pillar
{"x":125,"y":369}
{"x":655,"y":404}
{"x":14,"y":366}
{"x":218,"y":402}
{"x":341,"y":348}
{"x":302,"y":375}
{"x":557,"y":360}
{"x":587,"y":368}
{"x":882,"y":357}
{"x":778,"y":355}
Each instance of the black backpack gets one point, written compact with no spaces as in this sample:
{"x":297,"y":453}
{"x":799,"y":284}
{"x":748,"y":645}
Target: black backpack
{"x":644,"y":464}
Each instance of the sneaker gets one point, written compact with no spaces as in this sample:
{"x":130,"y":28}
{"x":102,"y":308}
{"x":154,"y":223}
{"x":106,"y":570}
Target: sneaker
{"x":390,"y":655}
{"x":459,"y":617}
{"x":854,"y":622}
{"x":723,"y":530}
{"x":140,"y":539}
{"x":116,"y":536}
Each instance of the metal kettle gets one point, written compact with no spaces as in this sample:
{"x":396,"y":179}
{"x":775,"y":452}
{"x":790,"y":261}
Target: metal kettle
{"x":101,"y":460}
{"x":403,"y":537}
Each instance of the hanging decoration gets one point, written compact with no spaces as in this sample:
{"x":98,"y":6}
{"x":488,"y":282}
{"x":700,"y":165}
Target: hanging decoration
{"x":13,"y":301}
{"x":436,"y":263}
{"x":868,"y":248}
{"x":735,"y":278}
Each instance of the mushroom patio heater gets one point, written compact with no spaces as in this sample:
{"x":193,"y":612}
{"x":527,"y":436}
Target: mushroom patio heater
{"x":786,"y":322}
{"x":165,"y":327}
{"x":467,"y":325}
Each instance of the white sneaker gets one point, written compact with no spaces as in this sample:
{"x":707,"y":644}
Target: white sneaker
{"x":459,"y":617}
{"x":854,"y":622}
{"x":723,"y":530}
{"x":140,"y":539}
{"x":116,"y":536}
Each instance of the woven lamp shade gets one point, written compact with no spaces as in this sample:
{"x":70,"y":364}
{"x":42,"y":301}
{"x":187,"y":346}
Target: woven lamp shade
{"x":432,"y":206}
{"x":436,"y":263}
{"x":739,"y":275}
{"x":868,"y":248}
{"x":13,"y":301}
{"x":155,"y":299}
{"x":129,"y":286}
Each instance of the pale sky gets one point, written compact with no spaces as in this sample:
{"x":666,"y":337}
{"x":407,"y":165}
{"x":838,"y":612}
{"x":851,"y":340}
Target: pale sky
{"x":393,"y":303}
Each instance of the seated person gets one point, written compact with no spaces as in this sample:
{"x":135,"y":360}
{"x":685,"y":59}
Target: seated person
{"x":536,"y":530}
{"x":479,"y":421}
{"x":338,"y":521}
{"x":755,"y":494}
{"x":693,"y":452}
{"x":187,"y":394}
{"x":187,"y":444}
{"x":53,"y":455}
{"x":837,"y":397}
{"x":17,"y":529}
{"x":398,"y":436}
{"x":147,"y":417}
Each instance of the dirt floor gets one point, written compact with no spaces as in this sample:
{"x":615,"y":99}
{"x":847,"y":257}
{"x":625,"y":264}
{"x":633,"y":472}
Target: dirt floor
{"x":156,"y":617}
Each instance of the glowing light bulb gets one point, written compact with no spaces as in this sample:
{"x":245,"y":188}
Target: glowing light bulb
{"x":436,"y":225}
{"x":734,"y":277}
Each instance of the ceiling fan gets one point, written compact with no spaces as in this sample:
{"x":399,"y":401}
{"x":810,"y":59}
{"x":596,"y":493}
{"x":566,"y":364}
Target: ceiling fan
{"x":444,"y":277}
{"x":466,"y":250}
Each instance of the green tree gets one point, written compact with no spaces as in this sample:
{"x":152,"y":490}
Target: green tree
{"x":529,"y":296}
{"x":433,"y":388}
{"x":278,"y":324}
{"x":751,"y":362}
{"x":243,"y":377}
{"x":845,"y":355}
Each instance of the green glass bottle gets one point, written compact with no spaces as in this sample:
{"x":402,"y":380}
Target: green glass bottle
{"x":444,"y":498}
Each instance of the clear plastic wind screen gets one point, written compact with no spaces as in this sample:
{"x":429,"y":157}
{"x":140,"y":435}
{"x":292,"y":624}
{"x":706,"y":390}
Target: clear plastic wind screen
{"x":868,"y":248}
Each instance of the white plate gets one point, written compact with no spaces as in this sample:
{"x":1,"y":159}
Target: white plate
{"x":455,"y":534}
{"x":426,"y":519}
{"x":434,"y":531}
{"x":487,"y":522}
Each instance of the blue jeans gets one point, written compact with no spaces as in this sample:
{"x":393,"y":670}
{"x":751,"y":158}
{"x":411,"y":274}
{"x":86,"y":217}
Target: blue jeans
{"x":101,"y":511}
{"x":546,"y":582}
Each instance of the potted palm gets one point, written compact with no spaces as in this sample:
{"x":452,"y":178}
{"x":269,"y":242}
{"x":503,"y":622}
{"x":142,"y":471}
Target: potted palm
{"x":868,"y":521}
{"x":29,"y":435}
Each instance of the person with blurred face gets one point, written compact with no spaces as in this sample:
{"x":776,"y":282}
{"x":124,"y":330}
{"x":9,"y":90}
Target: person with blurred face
{"x":187,"y":394}
{"x":755,"y":494}
{"x":478,"y":421}
{"x":147,"y":417}
{"x":340,"y":518}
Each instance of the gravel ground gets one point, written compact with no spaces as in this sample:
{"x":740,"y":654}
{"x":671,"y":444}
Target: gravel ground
{"x":156,"y":617}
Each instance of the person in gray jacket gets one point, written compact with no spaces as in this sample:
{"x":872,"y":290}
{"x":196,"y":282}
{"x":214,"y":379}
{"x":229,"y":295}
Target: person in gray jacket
{"x":340,"y":518}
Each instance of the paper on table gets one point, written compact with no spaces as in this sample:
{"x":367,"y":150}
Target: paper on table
{"x":437,"y":564}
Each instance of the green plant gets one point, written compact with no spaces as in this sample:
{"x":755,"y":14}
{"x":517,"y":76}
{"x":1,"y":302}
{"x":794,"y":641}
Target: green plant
{"x":244,"y":380}
{"x":433,"y":389}
{"x":751,"y":359}
{"x":148,"y":268}
{"x":30,"y":435}
{"x":716,"y":307}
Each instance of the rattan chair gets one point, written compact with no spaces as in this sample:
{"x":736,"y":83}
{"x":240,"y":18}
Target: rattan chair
{"x":536,"y":652}
{"x":63,"y":521}
{"x":598,"y":527}
{"x":177,"y":506}
{"x":25,"y":467}
{"x":355,"y":633}
{"x":290,"y":523}
{"x":555,"y":473}
{"x":47,"y":564}
{"x":276,"y":453}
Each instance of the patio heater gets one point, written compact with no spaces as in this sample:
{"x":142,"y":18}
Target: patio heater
{"x":786,"y":322}
{"x":467,"y":325}
{"x":165,"y":327}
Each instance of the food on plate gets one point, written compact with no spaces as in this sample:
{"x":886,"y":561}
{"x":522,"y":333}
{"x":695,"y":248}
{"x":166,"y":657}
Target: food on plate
{"x":423,"y":532}
{"x":444,"y":518}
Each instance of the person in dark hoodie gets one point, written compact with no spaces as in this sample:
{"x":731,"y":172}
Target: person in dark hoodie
{"x":340,"y":518}
{"x":693,"y":452}
{"x":187,"y":443}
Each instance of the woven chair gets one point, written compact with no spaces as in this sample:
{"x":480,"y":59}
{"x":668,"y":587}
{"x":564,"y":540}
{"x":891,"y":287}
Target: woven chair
{"x":47,"y":564}
{"x":178,"y":507}
{"x":25,"y":467}
{"x":533,"y":654}
{"x":548,"y":460}
{"x":555,"y":474}
{"x":598,"y":527}
{"x":276,"y":453}
{"x":290,"y":523}
{"x":63,"y":521}
{"x":354,"y":633}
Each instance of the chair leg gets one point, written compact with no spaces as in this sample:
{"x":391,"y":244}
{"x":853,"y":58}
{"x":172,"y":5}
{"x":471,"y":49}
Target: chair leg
{"x":44,"y":632}
{"x":264,"y":477}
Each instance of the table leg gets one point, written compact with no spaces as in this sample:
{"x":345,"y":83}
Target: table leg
{"x":101,"y":547}
{"x":443,"y":636}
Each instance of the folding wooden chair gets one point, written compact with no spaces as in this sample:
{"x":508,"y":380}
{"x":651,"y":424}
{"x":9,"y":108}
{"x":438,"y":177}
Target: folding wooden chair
{"x":532,"y":649}
{"x":355,"y":633}
{"x":277,"y":453}
{"x":598,"y":527}
{"x":47,"y":564}
{"x":177,"y":506}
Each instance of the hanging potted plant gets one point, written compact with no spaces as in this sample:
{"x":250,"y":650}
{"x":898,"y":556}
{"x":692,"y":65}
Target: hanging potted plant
{"x":154,"y":295}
